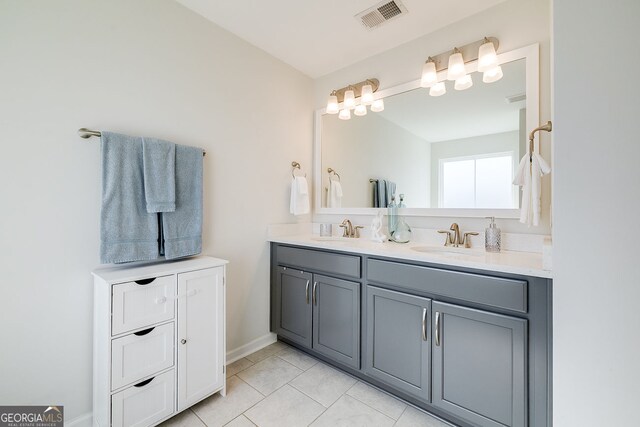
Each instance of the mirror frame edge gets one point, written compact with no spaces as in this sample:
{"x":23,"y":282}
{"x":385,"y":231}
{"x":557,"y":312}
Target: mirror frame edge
{"x":530,"y":53}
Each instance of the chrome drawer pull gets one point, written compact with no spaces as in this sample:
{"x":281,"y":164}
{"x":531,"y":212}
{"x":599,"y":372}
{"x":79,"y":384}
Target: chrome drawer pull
{"x":437,"y":328}
{"x":424,"y":324}
{"x":144,"y":383}
{"x":145,"y":281}
{"x":306,"y":291}
{"x":161,"y":300}
{"x":315,"y":296}
{"x":144,"y":332}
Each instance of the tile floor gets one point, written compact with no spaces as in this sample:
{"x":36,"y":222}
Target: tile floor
{"x":280,"y":386}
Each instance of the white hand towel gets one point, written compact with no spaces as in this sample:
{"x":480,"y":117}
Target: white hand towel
{"x":299,"y":202}
{"x":529,"y":174}
{"x":335,"y":194}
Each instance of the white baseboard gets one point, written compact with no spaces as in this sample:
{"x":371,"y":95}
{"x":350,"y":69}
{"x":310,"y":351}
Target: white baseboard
{"x":250,"y":347}
{"x":81,"y":421}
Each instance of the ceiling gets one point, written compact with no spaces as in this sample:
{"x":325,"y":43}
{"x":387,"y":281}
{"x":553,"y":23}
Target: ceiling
{"x":318,"y":37}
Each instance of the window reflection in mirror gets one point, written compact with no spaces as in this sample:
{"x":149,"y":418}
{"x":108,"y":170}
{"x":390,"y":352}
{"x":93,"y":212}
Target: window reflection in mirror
{"x":459,"y":150}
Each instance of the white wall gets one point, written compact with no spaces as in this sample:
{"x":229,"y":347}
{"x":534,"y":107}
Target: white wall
{"x":516,"y":23}
{"x":359,"y":149}
{"x":145,"y":67}
{"x":596,"y":232}
{"x":482,"y":144}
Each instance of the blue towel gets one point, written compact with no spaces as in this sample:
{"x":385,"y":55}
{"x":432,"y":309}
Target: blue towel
{"x":382,"y":193}
{"x":182,"y":229}
{"x":391,"y":191}
{"x":127,"y":231}
{"x":159,"y":163}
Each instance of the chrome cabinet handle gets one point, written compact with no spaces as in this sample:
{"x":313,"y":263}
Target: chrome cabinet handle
{"x":424,"y":324}
{"x":437,"y":328}
{"x":315,"y":296}
{"x":306,"y":291}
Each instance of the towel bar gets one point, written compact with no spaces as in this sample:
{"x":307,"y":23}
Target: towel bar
{"x":546,"y":127}
{"x":88,"y":133}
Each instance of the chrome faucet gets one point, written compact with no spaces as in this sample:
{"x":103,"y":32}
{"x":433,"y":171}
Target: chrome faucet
{"x":350,"y":230}
{"x":453,"y":237}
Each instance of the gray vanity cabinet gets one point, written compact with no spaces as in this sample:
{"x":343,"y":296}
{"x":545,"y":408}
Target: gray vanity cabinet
{"x":399,"y":341}
{"x":293,"y":295}
{"x":319,"y":312}
{"x":336,"y":319}
{"x":479,"y":365}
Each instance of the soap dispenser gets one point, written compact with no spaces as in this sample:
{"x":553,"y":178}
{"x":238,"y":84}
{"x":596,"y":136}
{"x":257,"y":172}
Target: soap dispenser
{"x":492,"y":236}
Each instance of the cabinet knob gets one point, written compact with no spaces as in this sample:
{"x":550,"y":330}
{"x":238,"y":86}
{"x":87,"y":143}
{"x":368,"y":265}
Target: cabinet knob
{"x":183,"y":341}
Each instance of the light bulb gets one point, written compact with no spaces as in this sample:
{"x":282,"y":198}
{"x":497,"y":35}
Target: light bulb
{"x":438,"y":89}
{"x":429,"y":75}
{"x":345,"y":114}
{"x":360,"y":110}
{"x":366,"y":95}
{"x":456,"y":66}
{"x":487,"y":58}
{"x":332,"y":104}
{"x":492,"y":75}
{"x":377,"y":106}
{"x":349,"y":99}
{"x":463,"y":83}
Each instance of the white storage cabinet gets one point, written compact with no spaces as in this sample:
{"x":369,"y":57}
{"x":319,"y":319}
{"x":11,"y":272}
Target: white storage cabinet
{"x":159,"y":340}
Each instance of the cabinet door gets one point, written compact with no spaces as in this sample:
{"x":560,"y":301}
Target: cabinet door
{"x":336,"y":319}
{"x":398,"y":341}
{"x":200,"y":335}
{"x":479,"y":365}
{"x":293,"y":294}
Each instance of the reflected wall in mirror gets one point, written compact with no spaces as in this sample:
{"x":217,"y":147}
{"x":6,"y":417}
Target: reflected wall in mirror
{"x":457,"y":151}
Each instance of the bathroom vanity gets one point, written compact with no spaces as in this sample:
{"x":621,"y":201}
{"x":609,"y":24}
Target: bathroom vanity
{"x":465,"y":337}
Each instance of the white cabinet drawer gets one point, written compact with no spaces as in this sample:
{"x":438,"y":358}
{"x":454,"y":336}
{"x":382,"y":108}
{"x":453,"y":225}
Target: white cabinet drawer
{"x":142,"y":303}
{"x":144,"y":404}
{"x":141,"y":354}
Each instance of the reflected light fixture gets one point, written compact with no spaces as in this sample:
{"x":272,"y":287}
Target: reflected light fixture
{"x":492,"y":75}
{"x":456,"y":67}
{"x":429,"y":74}
{"x":377,"y":106}
{"x":360,"y":110}
{"x":332,"y":103}
{"x":345,"y":114}
{"x":464,"y":82}
{"x":438,"y":89}
{"x":355,"y":97}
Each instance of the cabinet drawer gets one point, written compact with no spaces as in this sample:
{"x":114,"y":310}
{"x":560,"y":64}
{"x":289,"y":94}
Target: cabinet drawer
{"x":146,"y":403}
{"x":142,"y":303}
{"x":346,"y":265}
{"x":141,"y":354}
{"x":491,"y":291}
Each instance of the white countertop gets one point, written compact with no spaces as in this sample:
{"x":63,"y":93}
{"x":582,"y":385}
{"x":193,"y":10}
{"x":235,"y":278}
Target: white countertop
{"x":525,"y":263}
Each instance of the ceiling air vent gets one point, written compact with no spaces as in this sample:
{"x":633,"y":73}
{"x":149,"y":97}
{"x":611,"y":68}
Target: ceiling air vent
{"x":381,"y":13}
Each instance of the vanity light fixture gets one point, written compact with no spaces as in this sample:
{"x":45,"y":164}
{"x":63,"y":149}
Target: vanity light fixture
{"x":454,"y":63}
{"x":429,"y":75}
{"x":456,"y":68}
{"x":354,"y":97}
{"x":349,"y":98}
{"x":332,"y":103}
{"x":366,"y":95}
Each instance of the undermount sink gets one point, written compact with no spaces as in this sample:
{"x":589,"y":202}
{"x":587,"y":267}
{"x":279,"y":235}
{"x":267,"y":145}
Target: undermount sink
{"x":446,"y":250}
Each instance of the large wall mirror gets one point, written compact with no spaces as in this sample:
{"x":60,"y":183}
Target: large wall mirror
{"x":452,"y":155}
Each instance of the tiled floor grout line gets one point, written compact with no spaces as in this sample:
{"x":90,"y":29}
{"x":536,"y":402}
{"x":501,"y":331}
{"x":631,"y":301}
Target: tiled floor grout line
{"x":198,"y":417}
{"x":401,"y":414}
